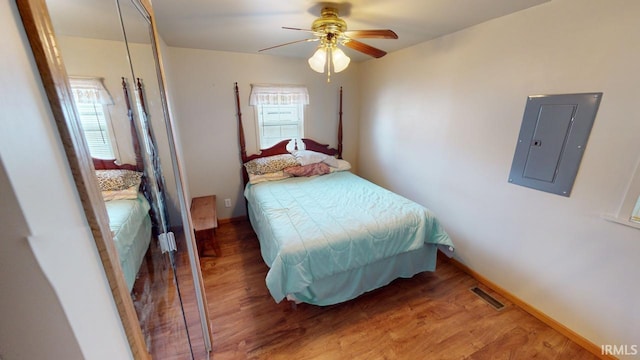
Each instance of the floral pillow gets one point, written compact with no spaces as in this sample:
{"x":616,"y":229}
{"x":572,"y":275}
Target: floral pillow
{"x":308,"y":170}
{"x":270,"y":164}
{"x":113,"y":180}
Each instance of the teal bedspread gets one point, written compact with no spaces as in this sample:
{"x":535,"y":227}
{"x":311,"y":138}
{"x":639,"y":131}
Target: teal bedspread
{"x":131,"y":228}
{"x":313,"y":228}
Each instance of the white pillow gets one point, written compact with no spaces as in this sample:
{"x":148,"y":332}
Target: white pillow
{"x":126,"y":194}
{"x":278,"y":175}
{"x":331,"y":161}
{"x":306,"y":157}
{"x":342,"y":165}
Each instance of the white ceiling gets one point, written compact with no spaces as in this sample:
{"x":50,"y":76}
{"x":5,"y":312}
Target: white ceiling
{"x":248,"y":25}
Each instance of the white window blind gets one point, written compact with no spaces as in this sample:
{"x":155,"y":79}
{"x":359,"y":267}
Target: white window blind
{"x":91,"y":98}
{"x":279,"y":111}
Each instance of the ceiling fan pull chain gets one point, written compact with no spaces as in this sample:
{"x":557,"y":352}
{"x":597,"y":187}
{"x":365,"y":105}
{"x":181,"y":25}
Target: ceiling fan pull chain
{"x":329,"y":57}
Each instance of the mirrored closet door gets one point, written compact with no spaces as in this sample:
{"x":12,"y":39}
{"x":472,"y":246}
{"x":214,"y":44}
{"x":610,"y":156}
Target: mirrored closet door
{"x":151,"y":108}
{"x":110,"y":58}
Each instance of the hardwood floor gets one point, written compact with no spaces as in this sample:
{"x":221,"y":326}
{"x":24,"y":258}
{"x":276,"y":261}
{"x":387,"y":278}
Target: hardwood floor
{"x":430,"y":316}
{"x":166,"y":308}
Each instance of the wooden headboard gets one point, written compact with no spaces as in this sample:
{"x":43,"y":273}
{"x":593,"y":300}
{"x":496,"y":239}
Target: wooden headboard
{"x":281,"y":147}
{"x":110,"y":164}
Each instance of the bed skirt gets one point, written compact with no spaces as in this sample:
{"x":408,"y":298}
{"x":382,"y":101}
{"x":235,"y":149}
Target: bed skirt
{"x":351,"y":284}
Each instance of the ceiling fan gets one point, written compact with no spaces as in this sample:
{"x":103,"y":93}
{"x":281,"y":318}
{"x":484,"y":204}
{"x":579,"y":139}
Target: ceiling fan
{"x":330,"y":30}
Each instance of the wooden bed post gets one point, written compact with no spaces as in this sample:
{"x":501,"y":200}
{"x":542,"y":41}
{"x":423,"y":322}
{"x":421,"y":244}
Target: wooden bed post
{"x":134,"y":132}
{"x":141,"y":95}
{"x":243,"y":147}
{"x":340,"y":127}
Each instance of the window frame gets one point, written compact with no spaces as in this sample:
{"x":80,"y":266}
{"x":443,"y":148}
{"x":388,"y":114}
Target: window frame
{"x":277,"y":96}
{"x":630,"y":202}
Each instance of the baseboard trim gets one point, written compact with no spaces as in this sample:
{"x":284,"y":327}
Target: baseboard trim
{"x":232,"y":220}
{"x":572,"y":335}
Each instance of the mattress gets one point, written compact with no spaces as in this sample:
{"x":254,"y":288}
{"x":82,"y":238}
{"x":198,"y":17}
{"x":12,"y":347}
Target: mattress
{"x":324,"y":227}
{"x":130,"y":225}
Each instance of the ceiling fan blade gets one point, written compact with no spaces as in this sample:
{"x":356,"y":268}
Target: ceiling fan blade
{"x":364,"y":48}
{"x":298,"y":29}
{"x":371,"y":34}
{"x":289,"y":43}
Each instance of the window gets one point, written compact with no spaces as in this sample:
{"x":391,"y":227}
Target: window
{"x":629,"y":210}
{"x":279,"y":122}
{"x":635,"y":216}
{"x":91,"y":99}
{"x":279,"y":112}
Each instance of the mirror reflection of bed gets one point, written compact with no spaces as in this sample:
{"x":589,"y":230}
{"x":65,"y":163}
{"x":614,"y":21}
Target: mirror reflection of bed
{"x":128,"y":210}
{"x":147,"y":269}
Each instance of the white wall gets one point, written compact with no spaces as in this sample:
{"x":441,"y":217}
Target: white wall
{"x":55,"y":301}
{"x":440,"y":123}
{"x":203,"y":100}
{"x":165,"y":64}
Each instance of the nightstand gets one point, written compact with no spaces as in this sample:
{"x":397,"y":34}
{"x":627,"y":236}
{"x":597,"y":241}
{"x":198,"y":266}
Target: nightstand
{"x":205,"y":221}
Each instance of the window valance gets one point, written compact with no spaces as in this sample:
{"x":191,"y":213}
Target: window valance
{"x":278,"y":95}
{"x":89,"y":91}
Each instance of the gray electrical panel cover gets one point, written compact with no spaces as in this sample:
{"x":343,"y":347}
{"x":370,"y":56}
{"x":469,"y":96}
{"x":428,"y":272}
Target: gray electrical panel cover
{"x":552,"y":139}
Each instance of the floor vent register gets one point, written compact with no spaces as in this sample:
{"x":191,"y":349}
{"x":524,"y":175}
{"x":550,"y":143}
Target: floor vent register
{"x":488,"y":298}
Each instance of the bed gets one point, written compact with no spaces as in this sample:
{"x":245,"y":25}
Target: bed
{"x":122,"y":188}
{"x":329,"y":236}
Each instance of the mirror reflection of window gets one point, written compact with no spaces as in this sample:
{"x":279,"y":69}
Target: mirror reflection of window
{"x":92,"y":99}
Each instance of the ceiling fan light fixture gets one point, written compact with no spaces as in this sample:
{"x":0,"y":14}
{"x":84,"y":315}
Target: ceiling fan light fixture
{"x":318,"y":61}
{"x":330,"y":30}
{"x":339,"y":59}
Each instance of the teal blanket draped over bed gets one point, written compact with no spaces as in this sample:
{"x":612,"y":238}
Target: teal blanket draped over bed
{"x":314,"y":228}
{"x":131,"y":228}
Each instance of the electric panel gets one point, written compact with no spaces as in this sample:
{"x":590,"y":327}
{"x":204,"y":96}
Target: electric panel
{"x":552,"y":139}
